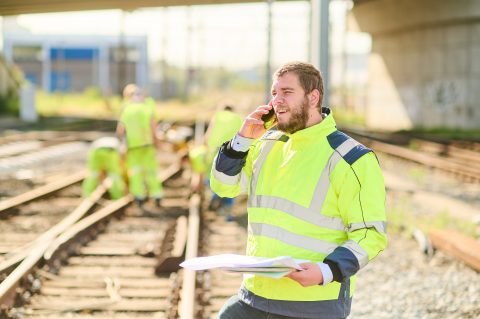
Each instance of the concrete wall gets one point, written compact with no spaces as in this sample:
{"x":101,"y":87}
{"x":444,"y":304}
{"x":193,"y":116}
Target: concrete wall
{"x":424,"y":69}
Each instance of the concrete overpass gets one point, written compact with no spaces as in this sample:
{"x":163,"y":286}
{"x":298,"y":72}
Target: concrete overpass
{"x":424,"y":68}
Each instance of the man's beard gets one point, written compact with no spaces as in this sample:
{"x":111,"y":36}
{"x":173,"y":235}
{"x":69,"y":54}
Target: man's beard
{"x":298,"y":119}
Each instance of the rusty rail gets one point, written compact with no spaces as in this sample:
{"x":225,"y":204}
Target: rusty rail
{"x":467,"y":172}
{"x":41,"y":191}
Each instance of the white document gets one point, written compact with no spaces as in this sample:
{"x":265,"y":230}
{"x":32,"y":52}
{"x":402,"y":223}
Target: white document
{"x":243,"y":263}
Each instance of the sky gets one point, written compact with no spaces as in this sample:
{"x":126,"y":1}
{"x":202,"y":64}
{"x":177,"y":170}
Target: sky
{"x":231,"y":35}
{"x":226,"y":35}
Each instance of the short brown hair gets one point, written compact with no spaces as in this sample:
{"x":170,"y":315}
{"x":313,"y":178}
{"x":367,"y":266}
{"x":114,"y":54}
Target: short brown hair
{"x":308,"y":76}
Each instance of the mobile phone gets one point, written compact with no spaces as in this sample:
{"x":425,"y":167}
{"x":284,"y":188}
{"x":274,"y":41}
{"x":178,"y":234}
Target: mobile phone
{"x":269,"y":119}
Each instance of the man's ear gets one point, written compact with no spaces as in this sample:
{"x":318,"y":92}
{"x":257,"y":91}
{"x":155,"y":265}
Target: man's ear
{"x":314,"y":97}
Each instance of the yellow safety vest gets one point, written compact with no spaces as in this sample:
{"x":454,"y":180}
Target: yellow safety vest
{"x":137,"y":119}
{"x":225,"y":125}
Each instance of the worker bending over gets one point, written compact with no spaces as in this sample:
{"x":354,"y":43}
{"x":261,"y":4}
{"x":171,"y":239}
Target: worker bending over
{"x":104,"y":161}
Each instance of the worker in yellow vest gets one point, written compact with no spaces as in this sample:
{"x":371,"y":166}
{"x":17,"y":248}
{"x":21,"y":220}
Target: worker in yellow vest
{"x":104,"y":161}
{"x":223,"y":126}
{"x":137,"y":126}
{"x":197,"y":157}
{"x":314,"y":194}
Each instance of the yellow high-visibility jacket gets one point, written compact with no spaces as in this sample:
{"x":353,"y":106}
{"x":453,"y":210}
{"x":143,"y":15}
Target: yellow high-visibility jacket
{"x":137,"y":118}
{"x":317,"y":195}
{"x":225,"y":124}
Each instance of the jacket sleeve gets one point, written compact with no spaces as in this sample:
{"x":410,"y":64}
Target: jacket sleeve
{"x":229,"y":177}
{"x":361,"y":198}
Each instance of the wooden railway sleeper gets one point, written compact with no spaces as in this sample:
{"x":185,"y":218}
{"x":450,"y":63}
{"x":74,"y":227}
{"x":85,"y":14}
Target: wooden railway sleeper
{"x":174,"y":297}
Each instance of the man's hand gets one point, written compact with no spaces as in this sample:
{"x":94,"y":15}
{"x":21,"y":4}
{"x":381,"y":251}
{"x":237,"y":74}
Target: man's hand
{"x":252,"y":126}
{"x":310,"y":275}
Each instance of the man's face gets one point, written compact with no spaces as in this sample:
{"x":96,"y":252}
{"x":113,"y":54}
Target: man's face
{"x":290,"y":103}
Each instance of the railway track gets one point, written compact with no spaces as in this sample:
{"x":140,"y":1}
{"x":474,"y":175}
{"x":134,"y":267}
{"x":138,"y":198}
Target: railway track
{"x":218,"y":237}
{"x":127,"y":265}
{"x":26,"y":216}
{"x":31,"y":155}
{"x":83,"y":268}
{"x":459,"y":160}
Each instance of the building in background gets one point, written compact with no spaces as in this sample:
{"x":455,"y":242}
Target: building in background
{"x":70,"y":63}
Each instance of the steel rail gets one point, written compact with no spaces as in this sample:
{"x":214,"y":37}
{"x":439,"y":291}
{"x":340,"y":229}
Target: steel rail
{"x":187,"y":309}
{"x":16,"y":257}
{"x":448,"y":151}
{"x":428,"y":160}
{"x":447,"y":164}
{"x":71,"y":234}
{"x":41,"y":191}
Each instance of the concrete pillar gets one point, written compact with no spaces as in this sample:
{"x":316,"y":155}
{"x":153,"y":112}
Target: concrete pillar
{"x":424,"y":68}
{"x":28,"y":112}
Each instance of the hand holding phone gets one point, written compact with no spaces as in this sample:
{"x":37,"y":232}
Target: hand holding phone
{"x":269,"y":119}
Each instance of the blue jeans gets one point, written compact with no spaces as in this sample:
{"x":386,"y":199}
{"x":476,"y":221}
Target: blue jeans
{"x":234,"y":308}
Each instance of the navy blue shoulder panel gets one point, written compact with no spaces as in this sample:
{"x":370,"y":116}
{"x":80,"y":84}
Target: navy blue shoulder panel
{"x":336,"y":138}
{"x":355,"y":153}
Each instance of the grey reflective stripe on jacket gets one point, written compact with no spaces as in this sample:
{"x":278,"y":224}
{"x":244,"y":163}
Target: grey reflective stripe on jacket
{"x":294,"y":239}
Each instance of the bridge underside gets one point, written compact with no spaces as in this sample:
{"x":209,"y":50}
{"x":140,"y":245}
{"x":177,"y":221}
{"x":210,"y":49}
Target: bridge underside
{"x":14,"y":7}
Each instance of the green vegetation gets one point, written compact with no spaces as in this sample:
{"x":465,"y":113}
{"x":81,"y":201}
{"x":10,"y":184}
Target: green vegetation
{"x":402,"y":218}
{"x":91,"y":104}
{"x":345,"y":117}
{"x":208,"y":90}
{"x":88,"y":104}
{"x":11,"y":78}
{"x":445,"y":133}
{"x":9,"y":102}
{"x":444,"y":220}
{"x":418,"y":175}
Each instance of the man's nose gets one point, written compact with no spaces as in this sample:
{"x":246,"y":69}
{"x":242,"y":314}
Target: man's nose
{"x":278,"y":99}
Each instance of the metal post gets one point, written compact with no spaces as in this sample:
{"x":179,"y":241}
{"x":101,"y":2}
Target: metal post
{"x":188,"y":54}
{"x":319,"y":46}
{"x":104,"y":69}
{"x":164,"y":92}
{"x":122,"y":63}
{"x":324,"y":49}
{"x":268,"y":67}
